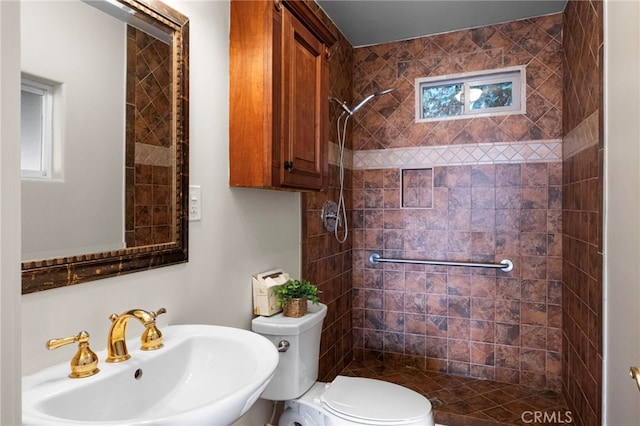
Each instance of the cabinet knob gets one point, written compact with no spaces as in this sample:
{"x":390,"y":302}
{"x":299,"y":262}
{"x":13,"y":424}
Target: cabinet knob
{"x":288,"y":165}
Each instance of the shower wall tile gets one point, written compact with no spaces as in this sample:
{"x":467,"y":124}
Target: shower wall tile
{"x":497,"y":193}
{"x":519,"y":218}
{"x":389,"y":121}
{"x":148,"y":203}
{"x":581,"y":361}
{"x":503,"y":326}
{"x":326,"y":262}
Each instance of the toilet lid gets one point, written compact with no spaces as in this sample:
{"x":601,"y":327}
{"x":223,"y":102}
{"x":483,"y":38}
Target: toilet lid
{"x":374,"y":401}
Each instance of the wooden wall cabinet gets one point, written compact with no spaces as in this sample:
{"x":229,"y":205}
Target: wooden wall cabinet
{"x":279,"y":96}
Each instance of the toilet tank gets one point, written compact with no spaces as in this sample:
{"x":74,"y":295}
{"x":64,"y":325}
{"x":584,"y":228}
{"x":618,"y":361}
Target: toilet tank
{"x":298,"y":367}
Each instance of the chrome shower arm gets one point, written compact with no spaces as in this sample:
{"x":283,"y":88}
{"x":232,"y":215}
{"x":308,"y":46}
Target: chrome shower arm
{"x":343,"y":104}
{"x":364,"y":101}
{"x":353,"y":110}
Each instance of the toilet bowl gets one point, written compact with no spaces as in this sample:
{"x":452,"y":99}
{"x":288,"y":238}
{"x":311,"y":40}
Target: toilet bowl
{"x":344,"y":401}
{"x":357,"y":401}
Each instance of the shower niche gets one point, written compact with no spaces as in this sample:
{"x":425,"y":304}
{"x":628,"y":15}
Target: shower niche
{"x":416,"y":188}
{"x":279,"y":91}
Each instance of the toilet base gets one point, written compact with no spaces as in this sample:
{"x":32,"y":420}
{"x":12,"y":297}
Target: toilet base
{"x":308,"y":411}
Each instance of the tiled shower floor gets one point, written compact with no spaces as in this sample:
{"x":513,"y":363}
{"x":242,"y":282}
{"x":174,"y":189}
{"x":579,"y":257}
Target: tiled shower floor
{"x":466,"y":401}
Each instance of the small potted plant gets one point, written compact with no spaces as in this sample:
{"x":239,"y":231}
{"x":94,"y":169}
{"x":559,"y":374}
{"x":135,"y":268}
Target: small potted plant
{"x":293,"y":295}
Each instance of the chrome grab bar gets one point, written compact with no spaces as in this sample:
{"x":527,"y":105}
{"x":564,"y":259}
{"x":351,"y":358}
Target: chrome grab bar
{"x":506,"y":265}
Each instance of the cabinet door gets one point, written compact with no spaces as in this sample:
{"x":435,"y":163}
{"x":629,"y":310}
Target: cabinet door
{"x":304,"y":106}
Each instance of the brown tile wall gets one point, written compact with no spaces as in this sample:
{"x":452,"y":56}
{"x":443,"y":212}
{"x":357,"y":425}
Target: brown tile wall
{"x":149,"y":194}
{"x":487,"y":312}
{"x":479,"y":323}
{"x":388,"y":121}
{"x":504,"y":326}
{"x":325,"y":261}
{"x":582,"y":212}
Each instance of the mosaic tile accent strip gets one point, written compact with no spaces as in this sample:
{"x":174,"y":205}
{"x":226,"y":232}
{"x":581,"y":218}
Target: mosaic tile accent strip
{"x":334,"y":156}
{"x":153,"y":155}
{"x":540,"y":151}
{"x":583,"y":136}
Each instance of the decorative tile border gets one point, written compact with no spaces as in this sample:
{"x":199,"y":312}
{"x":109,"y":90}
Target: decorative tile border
{"x":584,"y":136}
{"x":538,"y":151}
{"x":334,"y":156}
{"x":153,"y":155}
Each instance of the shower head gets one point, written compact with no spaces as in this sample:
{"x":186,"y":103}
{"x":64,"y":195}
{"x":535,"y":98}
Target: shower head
{"x":368,"y":98}
{"x":385,"y":91}
{"x":339,"y":216}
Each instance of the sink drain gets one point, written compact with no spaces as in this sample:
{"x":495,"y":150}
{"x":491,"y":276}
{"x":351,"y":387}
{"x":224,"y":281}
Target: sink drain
{"x":138,"y":374}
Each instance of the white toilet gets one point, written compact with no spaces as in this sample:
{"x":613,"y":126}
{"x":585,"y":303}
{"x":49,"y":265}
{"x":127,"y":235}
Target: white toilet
{"x":346,"y":400}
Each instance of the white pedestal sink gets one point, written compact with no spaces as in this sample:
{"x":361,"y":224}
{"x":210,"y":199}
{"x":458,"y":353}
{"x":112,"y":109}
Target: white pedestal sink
{"x":204,"y":374}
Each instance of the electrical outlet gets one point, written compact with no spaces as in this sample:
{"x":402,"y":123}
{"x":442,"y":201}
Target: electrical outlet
{"x":195,"y":202}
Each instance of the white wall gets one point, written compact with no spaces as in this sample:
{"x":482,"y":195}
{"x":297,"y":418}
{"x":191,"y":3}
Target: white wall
{"x":82,"y":209}
{"x":9,"y":213}
{"x":242,"y":231}
{"x":622,"y":212}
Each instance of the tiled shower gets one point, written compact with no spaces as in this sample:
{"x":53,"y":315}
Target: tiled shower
{"x":502,"y":326}
{"x":149,"y":159}
{"x":526,"y":188}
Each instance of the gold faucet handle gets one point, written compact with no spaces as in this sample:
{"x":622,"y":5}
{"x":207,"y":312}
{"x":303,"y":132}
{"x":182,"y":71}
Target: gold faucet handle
{"x":159,"y":312}
{"x":85,"y":362}
{"x":151,"y":339}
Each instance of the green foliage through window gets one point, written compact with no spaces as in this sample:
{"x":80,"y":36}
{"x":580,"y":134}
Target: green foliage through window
{"x":493,"y":95}
{"x":486,"y":93}
{"x":440,"y":101}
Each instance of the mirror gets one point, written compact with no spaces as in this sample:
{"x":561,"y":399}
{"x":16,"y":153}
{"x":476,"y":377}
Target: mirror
{"x":112,"y":198}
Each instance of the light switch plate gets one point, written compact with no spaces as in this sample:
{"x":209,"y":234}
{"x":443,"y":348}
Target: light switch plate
{"x":195,"y":202}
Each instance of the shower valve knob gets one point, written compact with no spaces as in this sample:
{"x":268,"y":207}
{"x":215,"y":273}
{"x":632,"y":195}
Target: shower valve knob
{"x":288,"y":165}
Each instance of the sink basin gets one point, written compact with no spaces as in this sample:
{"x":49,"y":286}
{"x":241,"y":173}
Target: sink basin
{"x":204,"y":374}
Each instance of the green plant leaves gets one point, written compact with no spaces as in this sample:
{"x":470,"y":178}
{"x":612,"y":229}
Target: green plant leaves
{"x":296,"y":289}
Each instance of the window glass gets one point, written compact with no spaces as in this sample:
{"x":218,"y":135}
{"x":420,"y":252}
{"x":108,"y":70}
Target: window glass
{"x":32,"y":110}
{"x":36,"y":120}
{"x":440,"y":101}
{"x":487,"y":93}
{"x":495,"y":95}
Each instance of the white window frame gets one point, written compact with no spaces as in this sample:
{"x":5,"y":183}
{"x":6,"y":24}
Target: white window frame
{"x":46,"y":136}
{"x":516,"y":75}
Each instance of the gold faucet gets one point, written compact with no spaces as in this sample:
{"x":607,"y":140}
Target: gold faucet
{"x":85,"y":362}
{"x":151,"y":338}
